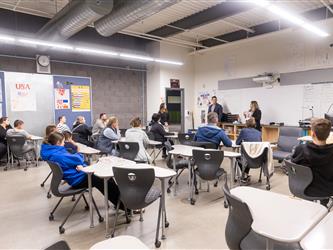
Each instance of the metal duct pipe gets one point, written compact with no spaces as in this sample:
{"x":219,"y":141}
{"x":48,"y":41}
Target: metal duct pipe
{"x":129,"y":12}
{"x":75,"y":16}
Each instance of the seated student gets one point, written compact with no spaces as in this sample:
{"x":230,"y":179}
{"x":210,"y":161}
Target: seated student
{"x":70,"y":145}
{"x":110,"y":133}
{"x":62,"y":126}
{"x":100,"y":124}
{"x":4,"y":127}
{"x":72,"y":164}
{"x":248,"y":134}
{"x":319,"y":157}
{"x":81,"y":132}
{"x":136,"y":134}
{"x":212,"y":133}
{"x":159,"y":132}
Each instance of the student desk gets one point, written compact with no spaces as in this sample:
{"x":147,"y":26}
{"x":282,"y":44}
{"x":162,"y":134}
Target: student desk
{"x":186,"y":152}
{"x":120,"y":242}
{"x":308,"y":138}
{"x":88,"y":151}
{"x":280,"y":217}
{"x":103,"y":169}
{"x":320,"y":236}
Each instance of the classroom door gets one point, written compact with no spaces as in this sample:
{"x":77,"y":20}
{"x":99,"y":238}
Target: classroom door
{"x":175,"y":105}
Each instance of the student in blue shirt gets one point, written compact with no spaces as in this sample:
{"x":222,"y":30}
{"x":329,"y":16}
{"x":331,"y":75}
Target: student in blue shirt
{"x":72,"y":164}
{"x":212,"y":133}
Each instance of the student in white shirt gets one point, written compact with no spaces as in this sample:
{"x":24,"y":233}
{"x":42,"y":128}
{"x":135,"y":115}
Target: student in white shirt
{"x":62,"y":126}
{"x":136,"y":134}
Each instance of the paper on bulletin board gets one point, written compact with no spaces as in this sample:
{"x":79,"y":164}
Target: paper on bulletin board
{"x":203,"y":99}
{"x":61,"y":98}
{"x":80,"y":98}
{"x":23,"y":96}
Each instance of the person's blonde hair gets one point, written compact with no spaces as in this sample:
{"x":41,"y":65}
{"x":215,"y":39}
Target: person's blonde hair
{"x":255,"y":105}
{"x":111,"y":121}
{"x":135,"y":122}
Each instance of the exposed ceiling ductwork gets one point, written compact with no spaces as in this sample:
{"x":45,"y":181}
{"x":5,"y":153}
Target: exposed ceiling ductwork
{"x":128,"y":12}
{"x":75,"y":16}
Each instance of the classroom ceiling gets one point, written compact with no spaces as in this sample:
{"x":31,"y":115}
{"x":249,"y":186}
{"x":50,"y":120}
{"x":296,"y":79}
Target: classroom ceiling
{"x":197,"y":24}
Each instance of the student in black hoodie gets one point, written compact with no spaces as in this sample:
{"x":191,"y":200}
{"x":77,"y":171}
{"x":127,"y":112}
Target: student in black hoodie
{"x":319,"y":157}
{"x":4,"y":126}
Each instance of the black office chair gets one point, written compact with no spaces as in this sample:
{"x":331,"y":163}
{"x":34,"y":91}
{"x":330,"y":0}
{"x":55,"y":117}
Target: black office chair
{"x":129,"y":150}
{"x":258,"y":162}
{"x":205,"y":145}
{"x":238,"y":231}
{"x":287,"y":142}
{"x":63,"y":190}
{"x":300,"y":177}
{"x":122,"y":131}
{"x":208,"y":164}
{"x":137,"y":192}
{"x":185,"y":138}
{"x":60,"y":245}
{"x":151,"y":136}
{"x":20,"y":150}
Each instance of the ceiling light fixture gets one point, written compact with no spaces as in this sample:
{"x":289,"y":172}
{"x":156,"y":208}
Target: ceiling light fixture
{"x":289,"y":17}
{"x":168,"y":62}
{"x":47,"y":44}
{"x":7,"y":38}
{"x":137,"y":57}
{"x":96,"y":51}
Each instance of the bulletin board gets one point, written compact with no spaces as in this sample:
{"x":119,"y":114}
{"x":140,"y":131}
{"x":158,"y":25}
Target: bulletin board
{"x":2,"y":95}
{"x":72,"y":98}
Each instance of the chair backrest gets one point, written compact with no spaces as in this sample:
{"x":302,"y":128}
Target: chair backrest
{"x":205,"y":145}
{"x":257,"y":162}
{"x":60,"y":245}
{"x":300,"y":177}
{"x":151,"y":135}
{"x":122,"y":132}
{"x":185,"y":138}
{"x":57,"y":176}
{"x":239,"y":220}
{"x":134,"y":185}
{"x":16,"y":143}
{"x":128,"y":150}
{"x":208,"y":163}
{"x":288,"y":138}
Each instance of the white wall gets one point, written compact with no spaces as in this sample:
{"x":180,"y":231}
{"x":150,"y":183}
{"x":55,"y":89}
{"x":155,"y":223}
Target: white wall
{"x":286,"y":51}
{"x":158,"y":77}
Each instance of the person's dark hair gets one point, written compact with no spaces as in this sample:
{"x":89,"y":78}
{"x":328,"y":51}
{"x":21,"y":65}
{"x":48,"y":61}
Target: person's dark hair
{"x":60,"y":117}
{"x":162,"y":105}
{"x":251,"y":123}
{"x":156,"y":117}
{"x":101,"y":114}
{"x":55,"y":138}
{"x":18,"y":123}
{"x":135,"y":122}
{"x":214,"y":97}
{"x":322,"y":128}
{"x":3,"y":119}
{"x":67,"y":135}
{"x":50,"y":129}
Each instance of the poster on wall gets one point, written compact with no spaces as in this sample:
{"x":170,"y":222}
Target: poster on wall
{"x":203,"y":99}
{"x":61,"y":98}
{"x":80,"y":98}
{"x":23,"y":93}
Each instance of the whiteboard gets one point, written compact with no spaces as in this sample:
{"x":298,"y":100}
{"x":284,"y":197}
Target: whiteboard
{"x":278,"y":104}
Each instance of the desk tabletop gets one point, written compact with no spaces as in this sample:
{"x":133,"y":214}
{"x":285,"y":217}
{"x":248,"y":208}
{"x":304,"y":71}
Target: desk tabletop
{"x":120,"y":242}
{"x":36,"y":138}
{"x":172,"y":136}
{"x":186,"y":150}
{"x":151,"y":142}
{"x":308,"y":138}
{"x":280,"y":217}
{"x":83,"y":149}
{"x":320,"y":237}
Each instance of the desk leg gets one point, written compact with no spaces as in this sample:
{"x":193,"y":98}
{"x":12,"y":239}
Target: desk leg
{"x":154,"y":154}
{"x":190,"y":180}
{"x":269,"y":244}
{"x":164,"y":222}
{"x":232,"y":171}
{"x":106,"y":204}
{"x":91,"y":211}
{"x":174,"y":169}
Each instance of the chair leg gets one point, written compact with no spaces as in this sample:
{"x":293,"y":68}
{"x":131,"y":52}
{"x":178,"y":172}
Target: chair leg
{"x":260,"y":174}
{"x":157,"y":242}
{"x":85,"y":201}
{"x":61,"y":227}
{"x":141,"y":218}
{"x":178,"y":174}
{"x":115,"y":220}
{"x":100,"y":218}
{"x":208,"y":186}
{"x":268,"y":185}
{"x":47,"y":177}
{"x":55,"y":208}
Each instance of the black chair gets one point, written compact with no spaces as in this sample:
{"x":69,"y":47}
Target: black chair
{"x":128,"y":150}
{"x":287,"y":142}
{"x":205,"y":145}
{"x":151,"y":136}
{"x":137,"y":192}
{"x":185,"y":138}
{"x":63,"y":190}
{"x":258,"y":162}
{"x":238,"y":231}
{"x":300,"y":177}
{"x":122,"y":132}
{"x":20,"y":150}
{"x":208,"y":164}
{"x":60,"y":245}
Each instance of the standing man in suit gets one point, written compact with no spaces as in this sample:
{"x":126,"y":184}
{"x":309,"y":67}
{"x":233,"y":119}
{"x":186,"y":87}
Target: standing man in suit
{"x":217,"y":108}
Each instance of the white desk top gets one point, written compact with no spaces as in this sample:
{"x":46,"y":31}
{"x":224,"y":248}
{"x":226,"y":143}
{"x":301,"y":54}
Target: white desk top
{"x":83,"y":149}
{"x":120,"y":242}
{"x":36,"y":138}
{"x":321,"y":236}
{"x":278,"y":216}
{"x":151,"y":142}
{"x":109,"y":161}
{"x":174,"y":136}
{"x":308,"y":138}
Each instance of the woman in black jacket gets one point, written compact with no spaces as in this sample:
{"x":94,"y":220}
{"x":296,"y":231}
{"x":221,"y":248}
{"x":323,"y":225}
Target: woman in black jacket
{"x":254,"y":112}
{"x":81,"y":132}
{"x":163,"y":112}
{"x":4,"y":126}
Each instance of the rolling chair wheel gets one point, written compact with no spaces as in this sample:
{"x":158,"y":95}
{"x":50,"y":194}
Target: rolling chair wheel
{"x":51,"y":217}
{"x":73,"y":198}
{"x":259,"y":181}
{"x":128,"y":221}
{"x":192,"y":202}
{"x":48,"y":195}
{"x":61,"y":230}
{"x":170,"y":182}
{"x":86,"y":208}
{"x":100,"y":219}
{"x":42,"y":185}
{"x":168,"y":191}
{"x":226,"y":205}
{"x":268,"y":187}
{"x":157,"y":244}
{"x":167,"y":224}
{"x":25,"y":169}
{"x":5,"y":169}
{"x":215,"y":184}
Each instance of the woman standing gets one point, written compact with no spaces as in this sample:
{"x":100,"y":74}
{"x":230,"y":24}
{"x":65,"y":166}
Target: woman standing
{"x":164,"y":115}
{"x":254,"y":112}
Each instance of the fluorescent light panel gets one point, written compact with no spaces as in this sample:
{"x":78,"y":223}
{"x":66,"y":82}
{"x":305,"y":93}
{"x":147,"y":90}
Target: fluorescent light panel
{"x":7,"y":38}
{"x":168,"y":62}
{"x":290,"y":17}
{"x":137,"y":57}
{"x":47,"y":44}
{"x":96,"y":51}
